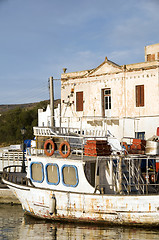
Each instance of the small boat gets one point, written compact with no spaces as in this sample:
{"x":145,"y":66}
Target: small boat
{"x":78,"y":178}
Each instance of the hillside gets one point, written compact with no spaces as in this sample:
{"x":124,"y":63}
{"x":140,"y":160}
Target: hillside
{"x":15,"y":117}
{"x":4,"y":108}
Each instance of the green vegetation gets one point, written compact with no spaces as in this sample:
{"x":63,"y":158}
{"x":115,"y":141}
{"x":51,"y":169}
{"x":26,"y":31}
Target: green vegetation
{"x":12,"y":121}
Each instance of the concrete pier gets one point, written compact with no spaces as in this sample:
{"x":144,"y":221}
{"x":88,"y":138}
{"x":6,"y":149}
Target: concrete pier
{"x":7,"y":196}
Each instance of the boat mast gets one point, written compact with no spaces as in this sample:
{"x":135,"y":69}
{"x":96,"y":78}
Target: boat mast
{"x":52,"y":122}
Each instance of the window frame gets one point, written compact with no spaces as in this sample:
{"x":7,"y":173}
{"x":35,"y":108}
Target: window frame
{"x":107,"y":95}
{"x":140,"y":95}
{"x":138,"y":134}
{"x":42,"y":172}
{"x":58,"y":173}
{"x":76,"y":171}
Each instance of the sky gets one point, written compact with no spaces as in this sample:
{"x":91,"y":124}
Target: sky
{"x":38,"y":38}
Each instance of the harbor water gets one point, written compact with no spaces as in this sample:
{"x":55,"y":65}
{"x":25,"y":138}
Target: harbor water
{"x":14,"y":225}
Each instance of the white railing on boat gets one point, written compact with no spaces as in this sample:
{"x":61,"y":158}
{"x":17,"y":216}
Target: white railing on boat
{"x":43,"y":131}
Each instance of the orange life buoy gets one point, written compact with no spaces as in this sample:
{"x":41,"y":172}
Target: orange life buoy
{"x":68,"y":149}
{"x":46,"y":147}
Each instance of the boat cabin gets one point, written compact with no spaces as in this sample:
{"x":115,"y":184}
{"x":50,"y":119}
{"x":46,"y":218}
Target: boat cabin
{"x":83,"y":164}
{"x":86,"y":164}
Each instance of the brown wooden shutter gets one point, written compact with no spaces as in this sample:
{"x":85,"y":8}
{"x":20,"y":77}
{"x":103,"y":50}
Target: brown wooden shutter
{"x":148,"y":57}
{"x":102,"y":100}
{"x":137,"y":96}
{"x":79,"y":101}
{"x":152,"y":57}
{"x":141,"y":95}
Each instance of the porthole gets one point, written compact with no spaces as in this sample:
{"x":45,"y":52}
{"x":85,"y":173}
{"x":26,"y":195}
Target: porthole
{"x":37,"y":172}
{"x":70,"y":175}
{"x":52,"y":174}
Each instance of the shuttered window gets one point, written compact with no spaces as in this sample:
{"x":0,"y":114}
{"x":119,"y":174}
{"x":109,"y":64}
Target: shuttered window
{"x":151,"y":57}
{"x":79,"y":101}
{"x":140,"y":96}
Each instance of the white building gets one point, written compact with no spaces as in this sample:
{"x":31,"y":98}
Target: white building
{"x":121,"y":99}
{"x":44,"y":117}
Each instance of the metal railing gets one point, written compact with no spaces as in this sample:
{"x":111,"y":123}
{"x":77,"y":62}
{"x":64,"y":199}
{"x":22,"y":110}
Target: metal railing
{"x":135,"y":176}
{"x":10,"y":158}
{"x":15,"y":175}
{"x":133,"y":179}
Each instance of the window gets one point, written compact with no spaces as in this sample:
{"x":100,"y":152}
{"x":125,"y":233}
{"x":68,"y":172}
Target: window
{"x":79,"y":101}
{"x":37,"y":172}
{"x":140,"y":135}
{"x":107,"y":99}
{"x":89,"y":170}
{"x":106,"y":102}
{"x":69,"y":176}
{"x":140,"y":96}
{"x":52,"y":174}
{"x":150,"y":57}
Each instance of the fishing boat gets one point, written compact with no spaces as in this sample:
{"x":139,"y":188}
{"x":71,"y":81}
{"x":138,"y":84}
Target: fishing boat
{"x":84,"y":175}
{"x":75,"y":177}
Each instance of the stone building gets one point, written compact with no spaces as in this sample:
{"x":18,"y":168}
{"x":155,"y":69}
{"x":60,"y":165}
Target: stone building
{"x":123,"y":100}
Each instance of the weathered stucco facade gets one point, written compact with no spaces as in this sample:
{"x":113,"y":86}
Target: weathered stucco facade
{"x":121,"y":99}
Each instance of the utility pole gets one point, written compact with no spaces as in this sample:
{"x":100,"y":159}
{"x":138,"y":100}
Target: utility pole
{"x":52,"y":102}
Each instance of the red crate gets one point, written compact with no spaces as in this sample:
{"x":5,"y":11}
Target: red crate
{"x":97,"y":148}
{"x":138,"y":144}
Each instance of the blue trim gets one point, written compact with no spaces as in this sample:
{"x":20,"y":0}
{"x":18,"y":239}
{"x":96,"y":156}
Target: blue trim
{"x":42,"y":172}
{"x":77,"y":180}
{"x":52,"y":164}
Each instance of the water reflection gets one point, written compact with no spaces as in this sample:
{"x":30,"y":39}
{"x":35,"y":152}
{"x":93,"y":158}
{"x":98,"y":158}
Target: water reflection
{"x":13,"y":225}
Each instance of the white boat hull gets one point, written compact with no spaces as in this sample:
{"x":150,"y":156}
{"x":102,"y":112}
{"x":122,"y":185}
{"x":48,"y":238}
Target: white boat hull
{"x":92,"y":208}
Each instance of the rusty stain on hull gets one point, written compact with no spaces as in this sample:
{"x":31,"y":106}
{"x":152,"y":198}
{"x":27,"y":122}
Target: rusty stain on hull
{"x":92,"y":208}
